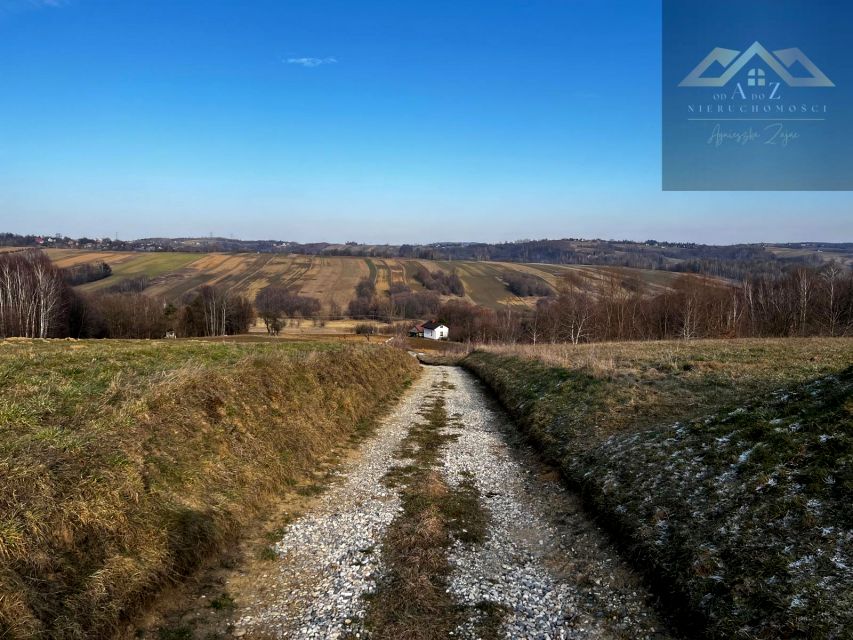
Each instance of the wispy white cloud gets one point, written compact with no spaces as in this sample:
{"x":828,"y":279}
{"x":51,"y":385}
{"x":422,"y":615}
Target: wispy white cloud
{"x":15,"y":6}
{"x":311,"y":62}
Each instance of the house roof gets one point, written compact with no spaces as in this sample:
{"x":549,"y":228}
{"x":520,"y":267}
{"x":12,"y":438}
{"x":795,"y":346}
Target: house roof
{"x":432,"y":325}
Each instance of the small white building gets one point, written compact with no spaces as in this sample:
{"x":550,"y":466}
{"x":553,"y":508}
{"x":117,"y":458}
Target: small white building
{"x":435,"y":331}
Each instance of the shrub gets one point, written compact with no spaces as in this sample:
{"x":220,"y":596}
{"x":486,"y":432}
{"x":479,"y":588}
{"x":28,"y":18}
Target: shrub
{"x":365,"y":329}
{"x":525,"y":284}
{"x":440,"y":281}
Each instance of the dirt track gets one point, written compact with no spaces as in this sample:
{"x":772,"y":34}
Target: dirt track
{"x":543,"y":565}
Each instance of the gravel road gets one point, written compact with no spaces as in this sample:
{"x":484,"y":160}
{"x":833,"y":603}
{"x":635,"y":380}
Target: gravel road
{"x":544,"y":563}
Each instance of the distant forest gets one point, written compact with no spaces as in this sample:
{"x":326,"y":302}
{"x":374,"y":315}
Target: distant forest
{"x":725,"y":261}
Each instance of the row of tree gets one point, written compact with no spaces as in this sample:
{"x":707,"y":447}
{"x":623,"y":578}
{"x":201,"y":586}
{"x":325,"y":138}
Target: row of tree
{"x":399,"y":302}
{"x":34,"y":296}
{"x":803,"y":301}
{"x":210,"y":311}
{"x":37,"y":301}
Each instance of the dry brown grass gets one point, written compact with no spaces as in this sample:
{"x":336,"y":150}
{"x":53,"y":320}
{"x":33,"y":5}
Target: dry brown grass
{"x":631,"y":385}
{"x":124,"y":464}
{"x":651,"y":359}
{"x":611,"y":388}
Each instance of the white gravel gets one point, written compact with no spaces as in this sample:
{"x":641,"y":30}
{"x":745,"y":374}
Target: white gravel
{"x":330,"y":556}
{"x":522,"y":565}
{"x":543,"y":560}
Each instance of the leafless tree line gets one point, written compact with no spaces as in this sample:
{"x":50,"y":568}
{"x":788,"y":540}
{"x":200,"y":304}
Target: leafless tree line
{"x":34,"y":298}
{"x":803,"y":301}
{"x":210,"y":311}
{"x":36,"y":301}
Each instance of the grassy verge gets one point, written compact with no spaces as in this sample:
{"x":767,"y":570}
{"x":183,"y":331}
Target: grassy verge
{"x":725,"y":469}
{"x":125,"y":464}
{"x":412,"y":600}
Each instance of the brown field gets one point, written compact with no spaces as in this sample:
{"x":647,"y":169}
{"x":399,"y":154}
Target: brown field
{"x":333,"y":278}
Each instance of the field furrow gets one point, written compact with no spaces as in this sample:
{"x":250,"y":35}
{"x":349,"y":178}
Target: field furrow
{"x":332,"y":279}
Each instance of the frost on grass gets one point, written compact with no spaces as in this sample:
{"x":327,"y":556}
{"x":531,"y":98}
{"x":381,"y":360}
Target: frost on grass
{"x":748,"y":512}
{"x":743,"y":519}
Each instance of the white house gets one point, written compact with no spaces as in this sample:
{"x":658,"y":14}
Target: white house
{"x":435,"y":331}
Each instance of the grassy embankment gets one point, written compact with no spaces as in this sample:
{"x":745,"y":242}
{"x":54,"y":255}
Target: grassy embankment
{"x":725,"y":469}
{"x":123,"y":465}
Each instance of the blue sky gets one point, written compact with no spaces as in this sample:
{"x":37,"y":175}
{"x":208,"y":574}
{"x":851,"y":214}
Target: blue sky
{"x":342,"y":120}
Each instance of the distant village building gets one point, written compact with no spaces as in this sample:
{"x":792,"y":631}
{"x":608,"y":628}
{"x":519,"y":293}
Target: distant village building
{"x":170,"y":335}
{"x":435,"y":331}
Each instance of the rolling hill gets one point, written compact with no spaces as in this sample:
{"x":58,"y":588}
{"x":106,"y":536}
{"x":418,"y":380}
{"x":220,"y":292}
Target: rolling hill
{"x":333,"y":278}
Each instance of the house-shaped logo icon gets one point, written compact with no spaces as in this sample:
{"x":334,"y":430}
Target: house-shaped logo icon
{"x":779,"y":61}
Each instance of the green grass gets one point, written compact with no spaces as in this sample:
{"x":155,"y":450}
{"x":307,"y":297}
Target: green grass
{"x":176,"y":633}
{"x":222,"y":602}
{"x":150,"y":265}
{"x":724,"y":469}
{"x":371,"y":266}
{"x":124,"y":464}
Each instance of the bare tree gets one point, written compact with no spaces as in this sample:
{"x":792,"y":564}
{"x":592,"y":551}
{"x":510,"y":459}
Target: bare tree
{"x":805,"y":284}
{"x":33,"y":295}
{"x":575,"y":308}
{"x":831,"y":278}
